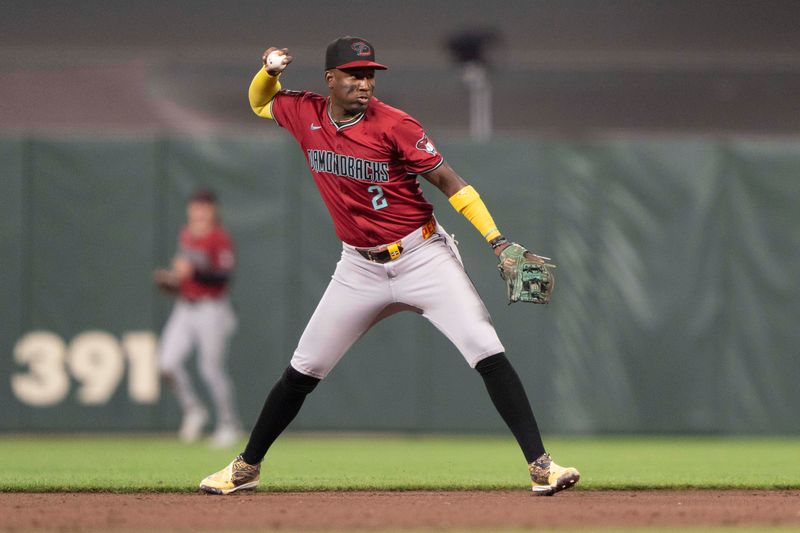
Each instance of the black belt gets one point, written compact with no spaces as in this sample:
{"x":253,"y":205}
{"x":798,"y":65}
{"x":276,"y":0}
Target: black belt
{"x":382,"y":256}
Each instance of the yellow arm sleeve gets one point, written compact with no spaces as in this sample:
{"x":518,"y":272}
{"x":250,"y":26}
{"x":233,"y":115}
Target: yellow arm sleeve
{"x":468,"y":202}
{"x":263,"y":89}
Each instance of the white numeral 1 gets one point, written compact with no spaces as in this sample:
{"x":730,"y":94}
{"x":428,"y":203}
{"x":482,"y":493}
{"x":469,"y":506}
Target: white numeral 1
{"x":143,"y":384}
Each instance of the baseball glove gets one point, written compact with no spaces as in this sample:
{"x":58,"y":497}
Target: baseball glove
{"x":166,"y":280}
{"x":528,"y":277}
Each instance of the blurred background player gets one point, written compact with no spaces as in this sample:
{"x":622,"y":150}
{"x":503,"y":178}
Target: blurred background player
{"x":201,"y":318}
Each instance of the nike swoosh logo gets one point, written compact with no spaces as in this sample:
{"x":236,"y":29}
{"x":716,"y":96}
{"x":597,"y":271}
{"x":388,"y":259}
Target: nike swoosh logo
{"x":314,"y":127}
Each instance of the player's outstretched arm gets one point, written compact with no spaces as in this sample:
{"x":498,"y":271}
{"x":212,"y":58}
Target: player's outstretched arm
{"x":466,"y":200}
{"x":265,"y":84}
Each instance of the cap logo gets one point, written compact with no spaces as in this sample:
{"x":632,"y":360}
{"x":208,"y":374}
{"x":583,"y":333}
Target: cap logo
{"x":361,"y":48}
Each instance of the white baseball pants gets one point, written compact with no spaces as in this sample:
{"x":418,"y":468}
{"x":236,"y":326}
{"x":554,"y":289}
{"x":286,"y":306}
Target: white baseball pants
{"x":208,"y":325}
{"x":428,"y":278}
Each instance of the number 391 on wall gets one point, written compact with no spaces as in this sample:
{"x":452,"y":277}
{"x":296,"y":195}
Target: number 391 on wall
{"x":96,"y":359}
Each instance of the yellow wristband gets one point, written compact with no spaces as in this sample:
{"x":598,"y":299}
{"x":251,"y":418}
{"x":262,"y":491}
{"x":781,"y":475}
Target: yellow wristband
{"x":468,"y":202}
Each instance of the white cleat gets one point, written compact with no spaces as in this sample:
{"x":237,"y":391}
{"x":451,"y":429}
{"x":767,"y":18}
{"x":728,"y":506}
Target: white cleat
{"x":225,"y":437}
{"x":192,"y":425}
{"x":547,"y":477}
{"x":238,"y":475}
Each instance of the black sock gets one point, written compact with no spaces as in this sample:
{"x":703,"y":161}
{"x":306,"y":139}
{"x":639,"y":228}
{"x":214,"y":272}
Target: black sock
{"x":509,"y":398}
{"x":280,"y":408}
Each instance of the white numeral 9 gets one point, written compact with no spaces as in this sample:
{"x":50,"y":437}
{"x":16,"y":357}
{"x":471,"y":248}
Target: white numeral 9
{"x":95,"y":359}
{"x":46,"y":383}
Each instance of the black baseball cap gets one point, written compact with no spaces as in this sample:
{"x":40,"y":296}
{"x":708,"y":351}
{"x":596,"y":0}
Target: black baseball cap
{"x":203,"y":195}
{"x":351,"y":52}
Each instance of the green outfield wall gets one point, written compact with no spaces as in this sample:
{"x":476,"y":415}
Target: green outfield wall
{"x":674,"y":311}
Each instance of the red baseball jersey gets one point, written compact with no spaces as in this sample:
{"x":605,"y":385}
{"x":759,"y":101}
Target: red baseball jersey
{"x":365,"y":170}
{"x":209,"y":254}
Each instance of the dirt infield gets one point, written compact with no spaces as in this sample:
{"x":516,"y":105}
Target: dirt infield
{"x":348,"y":511}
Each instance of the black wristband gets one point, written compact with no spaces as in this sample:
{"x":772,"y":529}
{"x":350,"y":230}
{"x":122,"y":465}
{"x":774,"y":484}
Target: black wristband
{"x":211,"y":277}
{"x":497,"y":242}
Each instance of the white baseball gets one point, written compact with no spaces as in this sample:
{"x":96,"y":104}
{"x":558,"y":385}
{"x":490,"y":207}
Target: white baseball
{"x":275,"y":61}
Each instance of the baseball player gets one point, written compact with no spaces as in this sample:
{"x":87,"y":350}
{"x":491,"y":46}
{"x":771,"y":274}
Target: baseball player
{"x":202,"y":317}
{"x":365,"y":158}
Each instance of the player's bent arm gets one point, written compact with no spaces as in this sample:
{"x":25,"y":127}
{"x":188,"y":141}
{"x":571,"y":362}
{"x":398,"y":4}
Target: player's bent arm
{"x":466,"y":200}
{"x":263,"y":89}
{"x":445,"y":179}
{"x":182,"y":267}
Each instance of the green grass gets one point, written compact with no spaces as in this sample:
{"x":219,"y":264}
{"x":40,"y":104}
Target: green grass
{"x":367,"y":462}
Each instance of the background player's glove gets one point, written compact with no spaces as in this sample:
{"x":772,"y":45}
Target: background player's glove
{"x":166,"y":280}
{"x":529,"y":278}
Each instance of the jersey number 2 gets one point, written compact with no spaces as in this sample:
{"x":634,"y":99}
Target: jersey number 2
{"x":378,"y":201}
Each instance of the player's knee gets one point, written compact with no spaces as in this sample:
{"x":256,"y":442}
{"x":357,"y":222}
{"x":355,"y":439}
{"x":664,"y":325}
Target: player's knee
{"x":168,"y":368}
{"x":299,"y":382}
{"x":492,"y":363}
{"x":209,"y":370}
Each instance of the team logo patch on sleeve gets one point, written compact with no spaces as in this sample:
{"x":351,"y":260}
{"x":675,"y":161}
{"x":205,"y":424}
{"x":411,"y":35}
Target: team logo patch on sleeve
{"x":426,"y":145}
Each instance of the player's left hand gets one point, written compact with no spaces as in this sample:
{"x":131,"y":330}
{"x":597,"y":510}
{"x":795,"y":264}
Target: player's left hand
{"x":528,"y":254}
{"x":528,"y":276}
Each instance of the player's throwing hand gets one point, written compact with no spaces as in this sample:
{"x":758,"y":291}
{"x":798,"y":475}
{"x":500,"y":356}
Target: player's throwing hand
{"x":275,"y":60}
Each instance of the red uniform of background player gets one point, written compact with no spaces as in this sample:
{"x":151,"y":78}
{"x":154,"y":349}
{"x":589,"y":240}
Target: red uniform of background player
{"x":210,"y":257}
